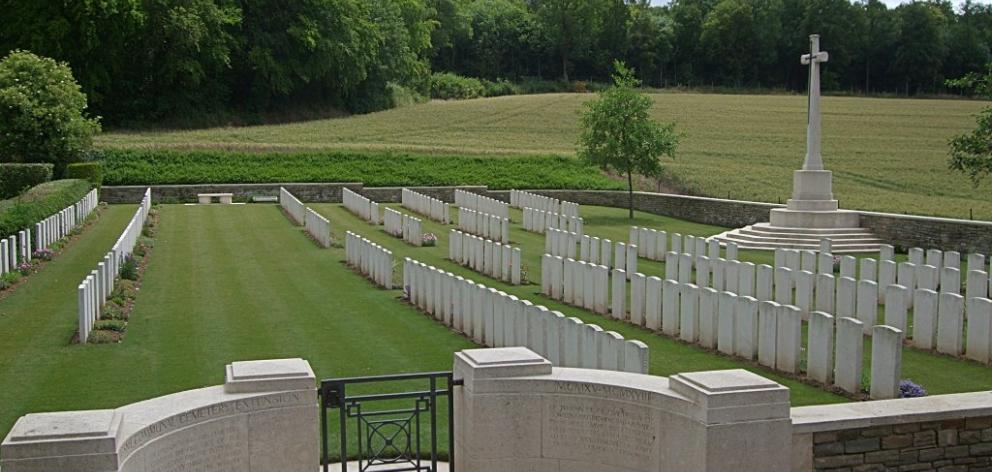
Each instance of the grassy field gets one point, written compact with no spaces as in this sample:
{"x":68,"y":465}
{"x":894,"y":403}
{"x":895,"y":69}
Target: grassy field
{"x":228,"y":283}
{"x":886,"y":154}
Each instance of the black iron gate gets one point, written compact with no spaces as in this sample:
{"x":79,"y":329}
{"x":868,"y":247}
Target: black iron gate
{"x":389,"y":437}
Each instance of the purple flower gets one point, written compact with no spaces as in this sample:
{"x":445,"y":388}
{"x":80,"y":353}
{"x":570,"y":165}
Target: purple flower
{"x":910,"y":389}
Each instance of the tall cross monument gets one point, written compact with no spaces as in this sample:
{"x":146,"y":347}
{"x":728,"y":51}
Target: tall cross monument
{"x":812,"y":204}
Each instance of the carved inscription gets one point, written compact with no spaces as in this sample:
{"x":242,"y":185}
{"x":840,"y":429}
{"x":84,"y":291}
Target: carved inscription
{"x":219,"y":446}
{"x":199,"y":415}
{"x":602,"y":431}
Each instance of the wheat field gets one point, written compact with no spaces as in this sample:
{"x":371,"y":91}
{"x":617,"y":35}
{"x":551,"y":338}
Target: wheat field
{"x":886,"y":154}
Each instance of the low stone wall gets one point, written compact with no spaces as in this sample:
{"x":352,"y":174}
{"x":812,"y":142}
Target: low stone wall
{"x":264,"y":418}
{"x":903,"y":230}
{"x":943,"y":432}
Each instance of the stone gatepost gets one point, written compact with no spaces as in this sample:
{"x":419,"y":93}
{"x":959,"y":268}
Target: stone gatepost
{"x":515,"y":412}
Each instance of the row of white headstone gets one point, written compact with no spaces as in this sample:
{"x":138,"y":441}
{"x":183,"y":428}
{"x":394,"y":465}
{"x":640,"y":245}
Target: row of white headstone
{"x":292,"y":206}
{"x":522,"y":199}
{"x":485,"y":256}
{"x":577,"y":283}
{"x":768,"y":331}
{"x":94,"y":290}
{"x":653,"y":244}
{"x":482,"y":203}
{"x":18,"y":248}
{"x":494,"y":319}
{"x":538,"y":221}
{"x":426,"y":205}
{"x":485,"y":225}
{"x":360,"y":205}
{"x":372,"y":260}
{"x":318,"y":227}
{"x":403,"y":226}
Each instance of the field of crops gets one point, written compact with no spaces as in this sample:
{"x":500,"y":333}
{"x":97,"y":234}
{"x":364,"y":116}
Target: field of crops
{"x":886,"y":154}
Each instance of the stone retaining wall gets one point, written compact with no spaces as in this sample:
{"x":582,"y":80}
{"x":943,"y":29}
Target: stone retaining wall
{"x":903,"y":230}
{"x":948,"y":433}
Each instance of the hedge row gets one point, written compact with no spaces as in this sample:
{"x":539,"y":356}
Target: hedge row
{"x":16,"y":178}
{"x":157,"y":167}
{"x":38,"y":203}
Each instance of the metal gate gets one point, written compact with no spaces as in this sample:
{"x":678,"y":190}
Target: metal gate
{"x":401,"y":434}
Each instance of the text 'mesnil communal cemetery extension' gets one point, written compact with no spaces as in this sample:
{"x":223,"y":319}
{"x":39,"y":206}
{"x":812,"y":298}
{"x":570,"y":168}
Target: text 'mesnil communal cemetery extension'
{"x":496,"y":236}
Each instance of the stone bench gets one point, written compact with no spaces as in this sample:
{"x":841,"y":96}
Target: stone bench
{"x":265,"y":199}
{"x":205,"y":198}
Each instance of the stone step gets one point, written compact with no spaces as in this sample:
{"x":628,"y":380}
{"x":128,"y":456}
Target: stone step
{"x":817,"y":232}
{"x":844,"y":241}
{"x":806,"y":237}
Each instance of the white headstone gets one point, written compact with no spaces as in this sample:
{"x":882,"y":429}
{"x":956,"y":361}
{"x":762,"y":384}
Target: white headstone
{"x":950,"y":324}
{"x":689,"y":313}
{"x":867,"y":305}
{"x":652,"y":306}
{"x":825,"y":293}
{"x":746,"y":318}
{"x":886,"y":362}
{"x":849,"y":358}
{"x":619,"y":295}
{"x":789,"y":339}
{"x":708,"y":317}
{"x":670,"y":308}
{"x":979,"y":329}
{"x":925,"y":303}
{"x":726,"y":323}
{"x":820,"y":348}
{"x":768,"y":312}
{"x":895,"y":310}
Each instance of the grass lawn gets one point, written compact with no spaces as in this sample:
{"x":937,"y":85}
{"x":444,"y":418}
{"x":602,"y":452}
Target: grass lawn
{"x":230,"y":283}
{"x":886,"y":154}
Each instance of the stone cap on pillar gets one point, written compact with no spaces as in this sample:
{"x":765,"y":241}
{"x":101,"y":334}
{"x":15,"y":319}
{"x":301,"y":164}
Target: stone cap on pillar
{"x":82,"y":440}
{"x":269,"y":376}
{"x":475,"y":364}
{"x":730,"y":396}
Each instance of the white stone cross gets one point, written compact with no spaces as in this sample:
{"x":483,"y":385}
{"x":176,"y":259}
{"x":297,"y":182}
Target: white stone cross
{"x":814,"y":161}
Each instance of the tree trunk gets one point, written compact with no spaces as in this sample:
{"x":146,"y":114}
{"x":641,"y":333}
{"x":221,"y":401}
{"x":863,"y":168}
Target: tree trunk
{"x":630,"y":194}
{"x":564,"y":66}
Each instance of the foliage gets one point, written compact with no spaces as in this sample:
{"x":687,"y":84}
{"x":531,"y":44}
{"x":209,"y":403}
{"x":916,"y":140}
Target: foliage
{"x":25,"y":268}
{"x":42,"y":254}
{"x":10,"y":278}
{"x":448,"y":86}
{"x":42,"y":112}
{"x":618,"y":133}
{"x":971,"y":152}
{"x":909,"y":389}
{"x":39,"y":203}
{"x":90,"y":171}
{"x":112,"y":310}
{"x":429,"y":240}
{"x":129,"y":268}
{"x":140,"y":167}
{"x":111,"y":325}
{"x":16,"y":178}
{"x":124,"y":291}
{"x":102,"y":336}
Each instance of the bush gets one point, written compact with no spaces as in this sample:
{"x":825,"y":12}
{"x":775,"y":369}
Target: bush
{"x":18,"y":178}
{"x":110,"y":325}
{"x":498,"y":88}
{"x":39,"y":203}
{"x":112,"y":311}
{"x":41,"y":112}
{"x":90,"y":171}
{"x":449,"y":86}
{"x":129,"y":269}
{"x":99,"y":336}
{"x":375,"y":169}
{"x":124,"y":291}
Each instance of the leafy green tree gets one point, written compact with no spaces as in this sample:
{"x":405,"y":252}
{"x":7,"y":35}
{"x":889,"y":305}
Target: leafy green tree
{"x":971,"y":153}
{"x":651,"y":35}
{"x":728,"y":38}
{"x":881,"y":32}
{"x":618,"y":133}
{"x":41,"y":112}
{"x":454,"y":28}
{"x":570,"y":26}
{"x":922,"y":46}
{"x":505,"y":40}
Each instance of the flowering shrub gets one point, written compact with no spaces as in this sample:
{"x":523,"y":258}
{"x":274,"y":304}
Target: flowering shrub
{"x":429,"y":240}
{"x":25,"y":268}
{"x":129,"y":269}
{"x":836,"y":263}
{"x":43,"y":254}
{"x":910,"y":389}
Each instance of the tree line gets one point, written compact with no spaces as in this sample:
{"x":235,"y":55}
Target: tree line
{"x":159,"y":59}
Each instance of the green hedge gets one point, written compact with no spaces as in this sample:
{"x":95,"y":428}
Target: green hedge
{"x":38,"y":203}
{"x":157,"y":167}
{"x":91,"y":171}
{"x":16,"y":178}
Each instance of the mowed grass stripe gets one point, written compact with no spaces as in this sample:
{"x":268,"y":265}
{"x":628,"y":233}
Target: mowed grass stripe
{"x":39,"y":369}
{"x":225,"y":283}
